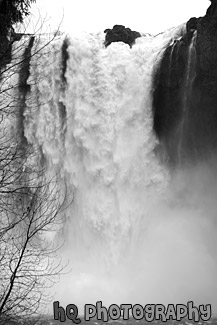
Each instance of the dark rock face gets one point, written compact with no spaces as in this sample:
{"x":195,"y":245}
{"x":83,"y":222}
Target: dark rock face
{"x":120,"y":34}
{"x":168,"y":101}
{"x":24,"y":87}
{"x":5,"y":52}
{"x":185,"y":95}
{"x":191,"y":24}
{"x":6,"y":42}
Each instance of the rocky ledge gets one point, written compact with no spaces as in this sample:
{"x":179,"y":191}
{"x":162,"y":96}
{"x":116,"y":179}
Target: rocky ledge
{"x":120,"y":33}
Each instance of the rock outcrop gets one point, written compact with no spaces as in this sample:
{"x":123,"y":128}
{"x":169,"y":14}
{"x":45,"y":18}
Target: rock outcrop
{"x":185,"y":96}
{"x":120,"y":33}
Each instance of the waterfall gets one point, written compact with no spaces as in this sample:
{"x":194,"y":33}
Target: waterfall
{"x":187,"y":91}
{"x":96,"y":132}
{"x":88,"y":111}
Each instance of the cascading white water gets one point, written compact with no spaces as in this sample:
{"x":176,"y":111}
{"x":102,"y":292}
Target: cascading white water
{"x":190,"y":76}
{"x":94,"y":127}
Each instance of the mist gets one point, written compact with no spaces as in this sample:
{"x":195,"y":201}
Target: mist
{"x":169,"y":256}
{"x":137,"y":231}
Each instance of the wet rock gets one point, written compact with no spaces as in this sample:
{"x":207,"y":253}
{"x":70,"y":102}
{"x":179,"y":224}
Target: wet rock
{"x":185,"y":113}
{"x":120,"y":33}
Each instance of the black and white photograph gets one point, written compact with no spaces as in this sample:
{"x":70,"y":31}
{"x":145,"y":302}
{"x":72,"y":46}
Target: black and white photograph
{"x":108,"y":162}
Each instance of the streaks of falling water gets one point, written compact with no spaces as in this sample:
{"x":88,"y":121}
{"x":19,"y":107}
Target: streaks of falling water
{"x":189,"y":79}
{"x":107,"y":158}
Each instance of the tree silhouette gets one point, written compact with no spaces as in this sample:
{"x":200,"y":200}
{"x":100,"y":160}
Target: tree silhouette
{"x":12,"y":12}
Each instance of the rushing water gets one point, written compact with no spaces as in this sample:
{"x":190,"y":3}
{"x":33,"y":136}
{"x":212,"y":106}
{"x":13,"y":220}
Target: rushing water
{"x":187,"y":90}
{"x":131,"y":233}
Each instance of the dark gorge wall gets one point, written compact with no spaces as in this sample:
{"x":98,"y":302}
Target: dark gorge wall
{"x":185,"y":92}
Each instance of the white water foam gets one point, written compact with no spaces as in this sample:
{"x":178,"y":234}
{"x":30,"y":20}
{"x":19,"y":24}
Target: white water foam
{"x":129,"y":236}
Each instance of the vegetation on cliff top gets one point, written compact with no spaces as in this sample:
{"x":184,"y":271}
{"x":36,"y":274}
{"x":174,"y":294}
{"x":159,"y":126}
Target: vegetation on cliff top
{"x":12,"y":12}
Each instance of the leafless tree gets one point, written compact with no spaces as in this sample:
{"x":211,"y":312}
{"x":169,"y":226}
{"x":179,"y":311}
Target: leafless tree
{"x":31,"y":205}
{"x":28,"y":262}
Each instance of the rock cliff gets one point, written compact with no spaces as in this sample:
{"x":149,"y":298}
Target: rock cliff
{"x":185,"y":95}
